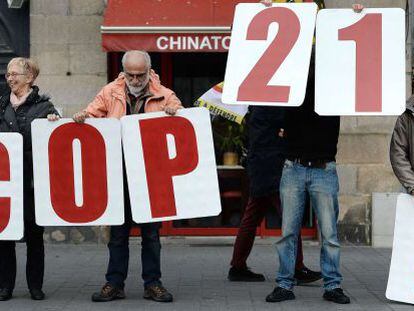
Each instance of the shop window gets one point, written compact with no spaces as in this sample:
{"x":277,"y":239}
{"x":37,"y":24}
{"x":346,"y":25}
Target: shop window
{"x":190,"y":75}
{"x":195,"y":73}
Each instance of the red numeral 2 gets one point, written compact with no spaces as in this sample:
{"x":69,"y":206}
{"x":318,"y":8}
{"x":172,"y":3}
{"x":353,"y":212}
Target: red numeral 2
{"x":254,"y":87}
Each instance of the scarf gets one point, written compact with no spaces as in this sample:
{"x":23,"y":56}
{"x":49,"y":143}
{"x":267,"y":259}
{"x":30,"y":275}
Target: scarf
{"x":16,"y":102}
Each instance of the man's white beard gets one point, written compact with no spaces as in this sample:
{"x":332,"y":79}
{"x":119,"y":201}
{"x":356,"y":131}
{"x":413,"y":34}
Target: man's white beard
{"x":137,"y":90}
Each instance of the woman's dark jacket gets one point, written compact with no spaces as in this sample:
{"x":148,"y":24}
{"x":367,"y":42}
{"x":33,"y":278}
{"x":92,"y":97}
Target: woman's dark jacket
{"x":36,"y":106}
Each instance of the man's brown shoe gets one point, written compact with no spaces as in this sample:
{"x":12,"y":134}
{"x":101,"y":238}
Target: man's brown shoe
{"x":108,"y":293}
{"x":158,"y":293}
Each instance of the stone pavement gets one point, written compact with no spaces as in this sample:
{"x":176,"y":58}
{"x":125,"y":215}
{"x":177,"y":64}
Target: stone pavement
{"x":196,"y":275}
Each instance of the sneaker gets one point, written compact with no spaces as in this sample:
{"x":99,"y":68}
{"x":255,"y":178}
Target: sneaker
{"x":336,"y":295}
{"x":280,"y":294}
{"x":108,"y":293}
{"x":6,"y":294}
{"x":37,"y":294}
{"x":305,"y":275}
{"x":244,"y":275}
{"x":158,"y":293}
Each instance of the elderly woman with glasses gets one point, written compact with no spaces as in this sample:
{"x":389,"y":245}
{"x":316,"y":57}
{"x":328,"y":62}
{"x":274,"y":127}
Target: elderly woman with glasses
{"x":18,"y":108}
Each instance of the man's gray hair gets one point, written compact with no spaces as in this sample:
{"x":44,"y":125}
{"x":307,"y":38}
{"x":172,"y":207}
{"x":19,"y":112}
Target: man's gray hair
{"x":132,"y":52}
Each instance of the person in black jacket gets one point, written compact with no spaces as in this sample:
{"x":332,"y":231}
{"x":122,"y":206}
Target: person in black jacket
{"x":18,"y":108}
{"x":309,"y":169}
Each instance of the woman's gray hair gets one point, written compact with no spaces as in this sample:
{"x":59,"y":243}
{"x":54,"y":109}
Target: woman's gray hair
{"x":29,"y":66}
{"x":136,"y":52}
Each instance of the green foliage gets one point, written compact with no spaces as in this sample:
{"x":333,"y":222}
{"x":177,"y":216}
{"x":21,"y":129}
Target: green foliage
{"x":229,"y":136}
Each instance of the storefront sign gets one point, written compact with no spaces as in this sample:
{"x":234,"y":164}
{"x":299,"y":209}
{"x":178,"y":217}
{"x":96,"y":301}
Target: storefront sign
{"x":400,"y":280}
{"x":168,"y":42}
{"x":11,"y":186}
{"x":193,"y":43}
{"x":78,"y":172}
{"x":360,"y":62}
{"x":269,"y":54}
{"x":171,"y":166}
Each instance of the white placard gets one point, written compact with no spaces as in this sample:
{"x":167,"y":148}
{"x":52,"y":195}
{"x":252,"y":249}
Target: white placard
{"x":269,"y":54}
{"x":360,"y":62}
{"x":401,"y":278}
{"x":171,"y":166}
{"x":78,"y":172}
{"x":11,"y":189}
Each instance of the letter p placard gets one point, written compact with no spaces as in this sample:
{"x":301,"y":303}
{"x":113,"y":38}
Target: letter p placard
{"x":170,"y":165}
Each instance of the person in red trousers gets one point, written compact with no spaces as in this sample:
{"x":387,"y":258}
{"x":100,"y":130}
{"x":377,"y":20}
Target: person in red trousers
{"x":264,"y":166}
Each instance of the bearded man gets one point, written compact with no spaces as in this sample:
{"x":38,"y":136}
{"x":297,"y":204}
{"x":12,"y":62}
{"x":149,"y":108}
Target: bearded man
{"x":136,"y":90}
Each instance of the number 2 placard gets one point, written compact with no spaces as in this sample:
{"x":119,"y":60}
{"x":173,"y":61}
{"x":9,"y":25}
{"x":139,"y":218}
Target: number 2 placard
{"x":360,"y":62}
{"x":269,"y":54}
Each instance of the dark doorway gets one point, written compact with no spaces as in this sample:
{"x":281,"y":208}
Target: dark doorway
{"x":14,"y":36}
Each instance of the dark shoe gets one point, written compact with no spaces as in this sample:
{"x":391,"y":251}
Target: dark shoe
{"x":37,"y":294}
{"x":244,"y":275}
{"x":157,"y":293}
{"x":305,"y":275}
{"x":108,"y":293}
{"x":336,"y":295}
{"x":5,"y":294}
{"x":280,"y":294}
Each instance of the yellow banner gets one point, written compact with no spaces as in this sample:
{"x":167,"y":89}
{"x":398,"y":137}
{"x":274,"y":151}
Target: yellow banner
{"x":217,"y":110}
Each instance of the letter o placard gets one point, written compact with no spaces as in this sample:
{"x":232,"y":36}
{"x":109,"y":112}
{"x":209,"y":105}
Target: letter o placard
{"x":78,"y":172}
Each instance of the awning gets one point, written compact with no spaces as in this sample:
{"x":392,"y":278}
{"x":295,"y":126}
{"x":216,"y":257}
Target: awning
{"x":168,"y":25}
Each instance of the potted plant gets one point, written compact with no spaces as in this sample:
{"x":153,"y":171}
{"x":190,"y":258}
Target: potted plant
{"x":229,"y":136}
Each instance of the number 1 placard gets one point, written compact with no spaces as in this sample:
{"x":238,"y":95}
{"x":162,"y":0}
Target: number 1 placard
{"x":269,"y":54}
{"x":360,"y":62}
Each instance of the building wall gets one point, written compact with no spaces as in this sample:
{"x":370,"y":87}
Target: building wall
{"x":66,"y":41}
{"x":363,"y":153}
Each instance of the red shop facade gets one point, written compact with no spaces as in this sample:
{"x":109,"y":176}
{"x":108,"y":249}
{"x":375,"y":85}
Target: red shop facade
{"x":188,"y":43}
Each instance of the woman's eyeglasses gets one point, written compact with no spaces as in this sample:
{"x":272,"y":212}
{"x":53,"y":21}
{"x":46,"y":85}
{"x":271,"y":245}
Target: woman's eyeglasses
{"x":13,"y":74}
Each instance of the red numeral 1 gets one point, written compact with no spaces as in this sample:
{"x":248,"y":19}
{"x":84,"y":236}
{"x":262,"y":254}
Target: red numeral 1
{"x":367,"y":34}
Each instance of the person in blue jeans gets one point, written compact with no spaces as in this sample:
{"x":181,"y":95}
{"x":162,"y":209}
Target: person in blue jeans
{"x":309,"y":168}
